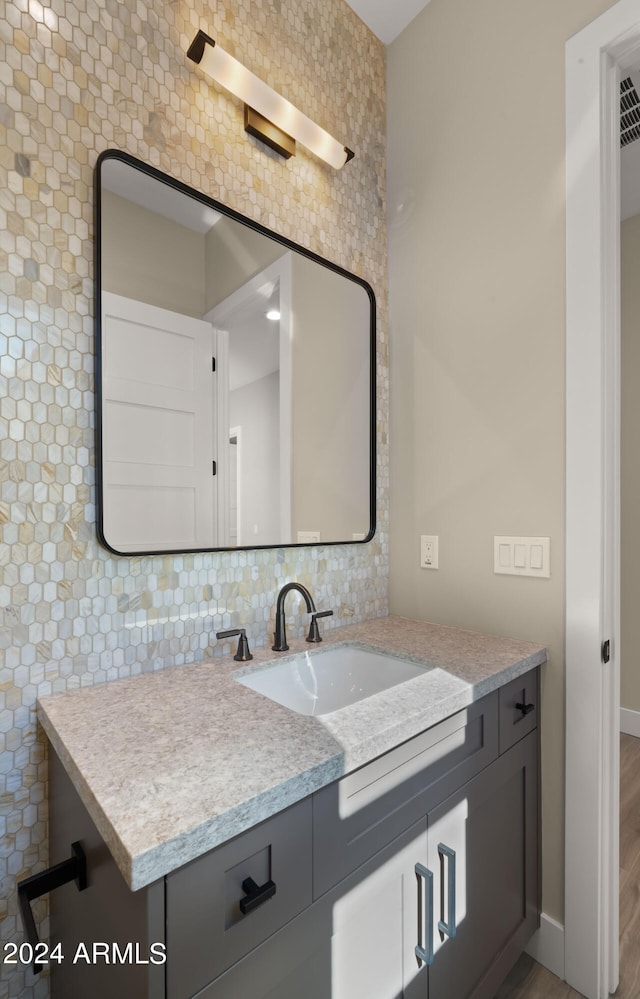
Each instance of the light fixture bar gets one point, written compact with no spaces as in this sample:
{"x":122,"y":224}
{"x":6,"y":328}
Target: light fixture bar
{"x":273,"y":111}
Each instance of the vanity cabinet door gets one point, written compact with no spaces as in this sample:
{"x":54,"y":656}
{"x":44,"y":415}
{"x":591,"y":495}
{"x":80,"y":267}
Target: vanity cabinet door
{"x":483,"y":851}
{"x":378,"y":918}
{"x":294,"y":963}
{"x":227,"y":902}
{"x":357,"y":942}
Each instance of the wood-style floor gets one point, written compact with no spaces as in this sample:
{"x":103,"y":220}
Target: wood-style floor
{"x":528,"y":980}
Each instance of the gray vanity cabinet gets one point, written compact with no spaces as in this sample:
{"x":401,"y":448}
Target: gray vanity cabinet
{"x":358,"y":940}
{"x":350,"y":944}
{"x":480,"y":848}
{"x":358,"y":815}
{"x":491,"y":827}
{"x":415,"y":877}
{"x":207,"y":930}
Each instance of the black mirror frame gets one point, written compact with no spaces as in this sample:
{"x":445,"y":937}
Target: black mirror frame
{"x":123,"y":157}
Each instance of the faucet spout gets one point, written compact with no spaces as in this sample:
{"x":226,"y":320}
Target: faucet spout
{"x":280,"y":634}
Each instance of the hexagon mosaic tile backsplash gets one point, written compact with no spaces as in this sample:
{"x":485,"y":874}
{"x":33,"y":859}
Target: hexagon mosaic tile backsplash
{"x":78,"y":77}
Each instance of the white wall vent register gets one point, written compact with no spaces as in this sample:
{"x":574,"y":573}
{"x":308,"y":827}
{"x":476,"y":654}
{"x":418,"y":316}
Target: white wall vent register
{"x":629,"y":112}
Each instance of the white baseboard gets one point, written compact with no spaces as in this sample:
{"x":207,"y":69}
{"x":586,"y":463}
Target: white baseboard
{"x":547,"y":946}
{"x":630,"y":722}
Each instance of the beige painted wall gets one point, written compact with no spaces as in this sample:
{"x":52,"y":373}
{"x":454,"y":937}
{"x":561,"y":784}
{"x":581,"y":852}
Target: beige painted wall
{"x":630,"y":466}
{"x":476,"y":138}
{"x":330,"y":318}
{"x":150,"y":258}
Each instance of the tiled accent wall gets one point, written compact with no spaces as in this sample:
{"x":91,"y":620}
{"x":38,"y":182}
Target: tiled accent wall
{"x":77,"y":77}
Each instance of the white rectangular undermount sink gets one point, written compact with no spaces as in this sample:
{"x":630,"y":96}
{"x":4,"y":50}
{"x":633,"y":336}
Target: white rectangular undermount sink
{"x":321,"y":681}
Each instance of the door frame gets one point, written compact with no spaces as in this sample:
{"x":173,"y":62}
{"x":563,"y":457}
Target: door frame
{"x":279,"y":270}
{"x":595,"y":58}
{"x":237,"y":433}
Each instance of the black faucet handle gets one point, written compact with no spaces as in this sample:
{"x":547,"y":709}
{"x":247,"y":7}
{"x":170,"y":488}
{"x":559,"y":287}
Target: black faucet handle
{"x":314,"y":632}
{"x":243,"y":654}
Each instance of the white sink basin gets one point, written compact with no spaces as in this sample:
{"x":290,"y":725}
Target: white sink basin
{"x":318,"y":682}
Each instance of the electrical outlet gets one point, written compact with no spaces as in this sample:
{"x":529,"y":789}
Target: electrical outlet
{"x":429,"y":551}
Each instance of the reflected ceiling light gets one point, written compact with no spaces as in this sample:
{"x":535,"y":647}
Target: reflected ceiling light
{"x":273,"y":314}
{"x":267,"y":115}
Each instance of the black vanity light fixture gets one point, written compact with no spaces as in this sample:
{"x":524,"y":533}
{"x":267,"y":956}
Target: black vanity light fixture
{"x":267,"y":115}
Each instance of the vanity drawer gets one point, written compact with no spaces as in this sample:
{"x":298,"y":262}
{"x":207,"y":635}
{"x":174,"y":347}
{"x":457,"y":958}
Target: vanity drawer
{"x":357,"y":815}
{"x":206,"y":928}
{"x":519,"y":706}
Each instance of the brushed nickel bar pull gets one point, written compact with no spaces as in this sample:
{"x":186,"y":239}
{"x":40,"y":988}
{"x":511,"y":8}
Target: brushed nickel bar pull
{"x":448,"y":928}
{"x":424,"y":955}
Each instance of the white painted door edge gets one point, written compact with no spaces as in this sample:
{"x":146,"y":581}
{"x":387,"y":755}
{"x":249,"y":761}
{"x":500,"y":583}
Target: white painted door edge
{"x":594,"y":58}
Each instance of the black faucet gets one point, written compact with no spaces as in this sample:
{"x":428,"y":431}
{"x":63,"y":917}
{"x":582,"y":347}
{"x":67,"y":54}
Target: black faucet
{"x":280,"y":634}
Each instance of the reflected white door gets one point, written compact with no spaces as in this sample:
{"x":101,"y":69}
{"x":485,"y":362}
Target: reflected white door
{"x":157,"y":428}
{"x":258,"y":378}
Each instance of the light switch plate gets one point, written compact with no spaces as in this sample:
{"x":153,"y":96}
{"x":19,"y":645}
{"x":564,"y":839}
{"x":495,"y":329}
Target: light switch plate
{"x":522,"y":556}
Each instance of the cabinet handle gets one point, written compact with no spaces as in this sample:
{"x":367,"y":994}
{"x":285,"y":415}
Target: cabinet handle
{"x":73,"y":869}
{"x":425,"y":915}
{"x":255,"y":894}
{"x":525,"y":708}
{"x":449,"y":928}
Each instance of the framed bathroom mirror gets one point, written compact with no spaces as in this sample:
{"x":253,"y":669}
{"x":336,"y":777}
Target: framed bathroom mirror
{"x":235,"y":377}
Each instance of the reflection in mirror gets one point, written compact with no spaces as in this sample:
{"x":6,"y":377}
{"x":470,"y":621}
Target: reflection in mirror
{"x":236,"y":378}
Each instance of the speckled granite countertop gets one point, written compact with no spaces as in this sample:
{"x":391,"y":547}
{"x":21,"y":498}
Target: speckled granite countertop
{"x":173,"y":763}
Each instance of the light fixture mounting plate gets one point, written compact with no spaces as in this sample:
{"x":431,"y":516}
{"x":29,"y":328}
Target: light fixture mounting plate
{"x":261,"y":128}
{"x":195,"y":51}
